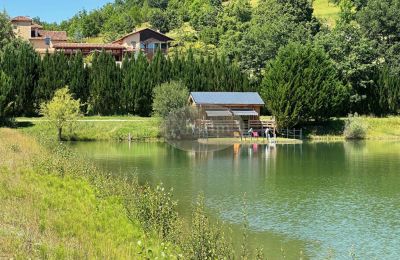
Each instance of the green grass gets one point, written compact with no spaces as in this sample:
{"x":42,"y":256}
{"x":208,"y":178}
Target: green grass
{"x":50,"y":210}
{"x":117,"y":128}
{"x":387,"y":128}
{"x":98,"y":128}
{"x":98,"y":39}
{"x":326,"y":11}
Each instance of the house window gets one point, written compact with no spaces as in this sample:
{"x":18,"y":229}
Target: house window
{"x":47,"y":40}
{"x":163,"y":46}
{"x":133,"y":44}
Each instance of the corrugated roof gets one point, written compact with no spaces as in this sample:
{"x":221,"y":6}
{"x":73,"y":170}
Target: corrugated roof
{"x":218,"y":113}
{"x":227,"y":98}
{"x":244,"y":112}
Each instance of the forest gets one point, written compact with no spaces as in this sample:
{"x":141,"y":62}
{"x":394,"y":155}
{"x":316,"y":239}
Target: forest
{"x":224,"y":46}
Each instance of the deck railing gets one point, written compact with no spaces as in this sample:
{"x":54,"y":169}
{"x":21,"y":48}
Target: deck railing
{"x":291,"y":133}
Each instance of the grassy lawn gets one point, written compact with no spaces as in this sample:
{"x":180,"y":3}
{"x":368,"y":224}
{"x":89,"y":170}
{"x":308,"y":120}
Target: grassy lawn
{"x":117,"y":128}
{"x":98,"y":128}
{"x":387,"y":128}
{"x":326,"y":11}
{"x":49,"y":210}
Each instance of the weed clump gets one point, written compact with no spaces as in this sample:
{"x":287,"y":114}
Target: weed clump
{"x":355,"y":129}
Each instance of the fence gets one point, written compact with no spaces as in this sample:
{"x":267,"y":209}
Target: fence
{"x":291,"y":133}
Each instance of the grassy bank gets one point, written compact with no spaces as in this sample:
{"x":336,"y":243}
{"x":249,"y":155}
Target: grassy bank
{"x":387,"y":128}
{"x":55,"y":205}
{"x":52,"y":209}
{"x":98,"y":128}
{"x":148,"y":129}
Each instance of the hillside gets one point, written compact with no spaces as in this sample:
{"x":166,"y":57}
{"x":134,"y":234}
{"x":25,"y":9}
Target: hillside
{"x":326,"y":11}
{"x":210,"y":19}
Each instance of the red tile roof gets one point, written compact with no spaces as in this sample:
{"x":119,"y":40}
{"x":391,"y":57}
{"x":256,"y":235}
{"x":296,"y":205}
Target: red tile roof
{"x":21,"y":19}
{"x":54,"y":35}
{"x":87,"y":46}
{"x":35,"y":25}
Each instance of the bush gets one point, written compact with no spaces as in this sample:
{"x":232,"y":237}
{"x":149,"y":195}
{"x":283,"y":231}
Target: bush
{"x":205,"y":240}
{"x":169,"y":97}
{"x":355,"y":129}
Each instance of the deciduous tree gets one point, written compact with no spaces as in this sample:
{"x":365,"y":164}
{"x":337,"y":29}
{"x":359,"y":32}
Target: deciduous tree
{"x":62,"y":111}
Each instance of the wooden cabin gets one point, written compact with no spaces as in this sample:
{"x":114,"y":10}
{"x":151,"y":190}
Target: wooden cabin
{"x":237,"y":111}
{"x":214,"y":105}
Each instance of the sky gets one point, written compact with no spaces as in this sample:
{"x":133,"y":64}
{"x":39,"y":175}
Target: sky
{"x":49,"y":10}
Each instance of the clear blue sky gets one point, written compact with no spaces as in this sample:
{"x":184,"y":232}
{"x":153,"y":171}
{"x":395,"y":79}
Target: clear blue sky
{"x":49,"y":10}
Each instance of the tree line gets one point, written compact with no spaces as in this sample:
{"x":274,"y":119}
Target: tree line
{"x":104,"y":86}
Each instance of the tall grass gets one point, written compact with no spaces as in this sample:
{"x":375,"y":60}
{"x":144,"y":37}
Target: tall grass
{"x":55,"y":205}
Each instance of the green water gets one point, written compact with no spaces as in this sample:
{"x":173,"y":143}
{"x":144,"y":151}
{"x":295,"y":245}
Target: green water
{"x":309,"y":200}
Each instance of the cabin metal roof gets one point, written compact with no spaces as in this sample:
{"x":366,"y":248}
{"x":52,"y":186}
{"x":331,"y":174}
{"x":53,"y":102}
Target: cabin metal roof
{"x":227,"y":98}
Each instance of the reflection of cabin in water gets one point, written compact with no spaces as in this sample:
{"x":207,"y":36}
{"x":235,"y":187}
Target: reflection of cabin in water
{"x":236,"y":111}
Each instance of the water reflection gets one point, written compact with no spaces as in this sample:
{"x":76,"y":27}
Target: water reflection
{"x":309,"y":197}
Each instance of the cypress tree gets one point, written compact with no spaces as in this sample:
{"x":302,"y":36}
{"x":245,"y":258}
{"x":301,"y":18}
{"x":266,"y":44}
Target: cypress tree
{"x":128,"y":84}
{"x":53,"y":71}
{"x":143,"y":86}
{"x":77,"y":78}
{"x":20,"y":62}
{"x":105,"y":85}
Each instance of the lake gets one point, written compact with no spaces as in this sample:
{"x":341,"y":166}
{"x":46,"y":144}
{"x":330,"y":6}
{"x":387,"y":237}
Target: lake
{"x":309,"y":200}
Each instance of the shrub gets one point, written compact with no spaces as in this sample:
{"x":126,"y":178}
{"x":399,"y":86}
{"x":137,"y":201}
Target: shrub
{"x":355,"y":129}
{"x":62,"y":111}
{"x":205,"y":240}
{"x":169,"y":97}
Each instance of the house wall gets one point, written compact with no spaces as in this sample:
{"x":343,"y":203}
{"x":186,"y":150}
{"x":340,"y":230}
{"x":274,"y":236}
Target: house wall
{"x":127,"y":42}
{"x":41,"y":47}
{"x":22,"y":29}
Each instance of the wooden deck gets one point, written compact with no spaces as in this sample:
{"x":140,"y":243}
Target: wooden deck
{"x":232,"y":128}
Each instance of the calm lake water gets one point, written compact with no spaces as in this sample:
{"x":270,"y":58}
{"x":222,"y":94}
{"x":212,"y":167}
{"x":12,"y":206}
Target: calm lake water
{"x":310,"y":200}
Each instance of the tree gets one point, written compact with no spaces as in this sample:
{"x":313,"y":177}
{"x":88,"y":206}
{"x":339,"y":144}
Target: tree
{"x":105,"y":85}
{"x":77,"y":78}
{"x":5,"y":89}
{"x":387,"y":92}
{"x":301,"y":84}
{"x":62,"y":111}
{"x":169,"y":97}
{"x":272,"y":26}
{"x":162,"y":4}
{"x":53,"y":72}
{"x":159,"y":20}
{"x":21,"y":63}
{"x":355,"y":58}
{"x":6,"y":33}
{"x":380,"y":20}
